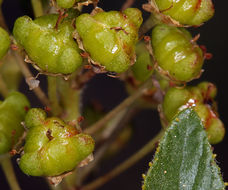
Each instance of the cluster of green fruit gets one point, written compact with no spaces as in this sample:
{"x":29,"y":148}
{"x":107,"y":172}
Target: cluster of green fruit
{"x":52,"y":48}
{"x":48,"y":140}
{"x":110,"y":40}
{"x":177,"y":59}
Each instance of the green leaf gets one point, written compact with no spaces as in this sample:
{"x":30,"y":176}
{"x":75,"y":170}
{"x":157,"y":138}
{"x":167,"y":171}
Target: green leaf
{"x":184,"y":159}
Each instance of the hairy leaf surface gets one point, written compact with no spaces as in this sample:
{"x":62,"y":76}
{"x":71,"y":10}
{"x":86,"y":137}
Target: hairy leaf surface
{"x":184,"y":159}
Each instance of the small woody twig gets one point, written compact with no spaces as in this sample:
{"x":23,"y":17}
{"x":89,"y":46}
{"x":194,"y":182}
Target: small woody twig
{"x":27,"y":74}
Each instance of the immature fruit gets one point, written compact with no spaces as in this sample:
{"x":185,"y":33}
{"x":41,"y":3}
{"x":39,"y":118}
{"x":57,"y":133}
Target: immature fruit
{"x":4,"y":42}
{"x":52,"y":147}
{"x":208,"y":90}
{"x":193,"y":12}
{"x":66,"y":4}
{"x":177,"y":55}
{"x":176,"y":100}
{"x":110,"y":37}
{"x":12,"y":113}
{"x":52,"y":49}
{"x":143,"y":67}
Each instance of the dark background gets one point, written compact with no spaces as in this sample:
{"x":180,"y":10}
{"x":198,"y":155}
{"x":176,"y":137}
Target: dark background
{"x":146,"y":124}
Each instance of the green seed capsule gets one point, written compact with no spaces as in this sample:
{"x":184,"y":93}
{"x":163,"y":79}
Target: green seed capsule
{"x":208,"y":90}
{"x":177,"y":99}
{"x":52,"y":147}
{"x":173,"y":100}
{"x":66,"y":4}
{"x":193,"y":12}
{"x":216,"y":131}
{"x":4,"y":41}
{"x":110,"y":37}
{"x":52,"y":49}
{"x":143,"y":67}
{"x":12,"y":113}
{"x":176,"y":54}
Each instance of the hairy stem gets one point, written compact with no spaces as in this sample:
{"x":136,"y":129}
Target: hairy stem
{"x":53,"y":96}
{"x":27,"y":74}
{"x":7,"y":168}
{"x":3,"y":87}
{"x":37,"y":7}
{"x":127,"y":102}
{"x":126,"y":164}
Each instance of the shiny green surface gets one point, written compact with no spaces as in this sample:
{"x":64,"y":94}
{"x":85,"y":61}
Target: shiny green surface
{"x":184,"y":159}
{"x":66,"y":3}
{"x":52,"y":50}
{"x":143,"y":67}
{"x":178,"y":57}
{"x":110,"y":37}
{"x":52,"y":147}
{"x":190,"y":12}
{"x":12,"y":113}
{"x":4,"y":42}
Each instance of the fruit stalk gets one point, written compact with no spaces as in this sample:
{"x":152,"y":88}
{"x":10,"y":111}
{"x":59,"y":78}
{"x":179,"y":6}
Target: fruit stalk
{"x":7,"y":167}
{"x":37,"y":7}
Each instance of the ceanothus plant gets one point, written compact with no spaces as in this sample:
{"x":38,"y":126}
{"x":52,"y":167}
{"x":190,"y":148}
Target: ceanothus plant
{"x":66,"y":140}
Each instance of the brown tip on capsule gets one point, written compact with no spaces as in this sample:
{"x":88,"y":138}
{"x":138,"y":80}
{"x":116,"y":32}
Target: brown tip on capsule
{"x":14,"y":47}
{"x":205,"y":53}
{"x":208,"y":56}
{"x":26,"y":108}
{"x":87,"y":66}
{"x":84,"y":54}
{"x":13,"y":152}
{"x":80,"y":119}
{"x":47,"y":109}
{"x":146,"y":38}
{"x":149,"y":67}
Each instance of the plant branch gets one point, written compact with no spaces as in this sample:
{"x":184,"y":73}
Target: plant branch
{"x":127,"y":102}
{"x":27,"y":74}
{"x":9,"y":173}
{"x":52,"y":94}
{"x":3,"y":87}
{"x":127,"y":4}
{"x":37,"y":7}
{"x":147,"y":25}
{"x":126,"y":164}
{"x":117,"y":125}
